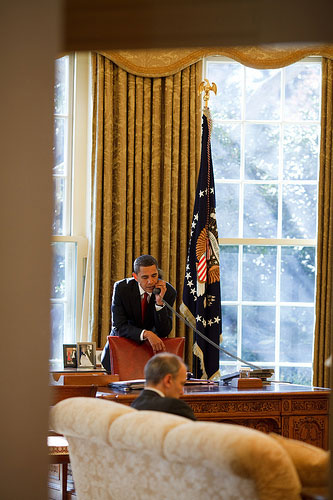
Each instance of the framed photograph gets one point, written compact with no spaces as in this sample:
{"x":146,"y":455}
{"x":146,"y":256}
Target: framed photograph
{"x":98,"y":358}
{"x":86,"y":354}
{"x":70,"y":355}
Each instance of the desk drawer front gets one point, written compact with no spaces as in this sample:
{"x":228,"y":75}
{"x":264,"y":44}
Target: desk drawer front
{"x":260,"y":424}
{"x":310,"y":429}
{"x":305,"y":406}
{"x":235,"y":408}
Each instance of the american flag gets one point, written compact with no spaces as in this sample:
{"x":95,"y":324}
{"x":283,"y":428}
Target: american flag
{"x":202,"y":295}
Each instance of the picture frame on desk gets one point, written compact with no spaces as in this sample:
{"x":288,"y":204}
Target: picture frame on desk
{"x":86,"y":355}
{"x":70,"y":355}
{"x":99,"y":358}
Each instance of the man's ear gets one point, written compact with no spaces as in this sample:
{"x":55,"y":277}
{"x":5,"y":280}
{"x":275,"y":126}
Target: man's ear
{"x":167,"y":379}
{"x":135,"y":276}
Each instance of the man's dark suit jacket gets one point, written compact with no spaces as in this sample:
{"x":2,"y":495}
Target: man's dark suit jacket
{"x":126,"y":314}
{"x":150,"y":400}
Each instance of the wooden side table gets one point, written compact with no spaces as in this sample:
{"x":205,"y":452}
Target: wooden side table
{"x":58,"y":454}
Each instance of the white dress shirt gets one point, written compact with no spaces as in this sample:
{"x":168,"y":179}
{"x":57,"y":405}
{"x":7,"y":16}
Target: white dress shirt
{"x":157,"y":307}
{"x":155,"y":390}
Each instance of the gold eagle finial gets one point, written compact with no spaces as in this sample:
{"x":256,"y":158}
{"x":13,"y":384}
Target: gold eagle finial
{"x":207,"y":87}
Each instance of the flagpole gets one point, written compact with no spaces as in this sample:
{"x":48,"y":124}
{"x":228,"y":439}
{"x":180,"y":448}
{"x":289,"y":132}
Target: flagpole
{"x":201,"y":303}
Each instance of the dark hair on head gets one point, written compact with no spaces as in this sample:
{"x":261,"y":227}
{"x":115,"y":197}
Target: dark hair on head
{"x":160,"y":365}
{"x":144,"y":261}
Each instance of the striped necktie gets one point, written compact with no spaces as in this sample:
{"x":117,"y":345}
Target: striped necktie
{"x":144,"y":304}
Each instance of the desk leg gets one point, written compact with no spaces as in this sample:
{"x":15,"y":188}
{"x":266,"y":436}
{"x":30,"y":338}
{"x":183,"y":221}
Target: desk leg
{"x":63,"y":480}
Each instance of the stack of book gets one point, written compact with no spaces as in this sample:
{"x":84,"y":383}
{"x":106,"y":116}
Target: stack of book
{"x":264,"y":374}
{"x":128,"y":385}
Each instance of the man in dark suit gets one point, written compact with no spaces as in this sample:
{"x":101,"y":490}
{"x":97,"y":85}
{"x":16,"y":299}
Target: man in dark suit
{"x":137,"y":313}
{"x":165,"y":376}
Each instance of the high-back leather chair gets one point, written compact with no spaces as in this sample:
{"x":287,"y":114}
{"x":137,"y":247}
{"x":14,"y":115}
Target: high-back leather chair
{"x":128,"y":358}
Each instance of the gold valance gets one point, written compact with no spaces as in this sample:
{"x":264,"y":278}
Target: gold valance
{"x":165,"y":62}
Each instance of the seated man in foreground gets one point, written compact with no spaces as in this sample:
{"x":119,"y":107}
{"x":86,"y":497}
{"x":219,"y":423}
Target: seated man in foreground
{"x":138,"y":313}
{"x":165,"y":375}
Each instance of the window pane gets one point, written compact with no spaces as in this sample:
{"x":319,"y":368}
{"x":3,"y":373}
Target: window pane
{"x":296,"y":375}
{"x":302,"y":91}
{"x":261,"y":151}
{"x":296,"y":334}
{"x":57,"y":328}
{"x":227,"y":76}
{"x":63,"y":296}
{"x":260,"y":211}
{"x":229,"y":329}
{"x":226,"y":151}
{"x":258,"y":333}
{"x":60,"y":130}
{"x":300,"y":149}
{"x":61,"y":170}
{"x":58,"y":209}
{"x":259,"y":272}
{"x":226,"y":369}
{"x":229,"y":272}
{"x":263,"y":93}
{"x":60,"y":86}
{"x":297,"y":274}
{"x":58,"y":288}
{"x":227,"y":203}
{"x":299,"y":211}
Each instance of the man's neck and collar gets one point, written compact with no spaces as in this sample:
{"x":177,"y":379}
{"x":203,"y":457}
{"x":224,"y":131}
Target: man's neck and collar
{"x":142,"y":291}
{"x":158,"y":391}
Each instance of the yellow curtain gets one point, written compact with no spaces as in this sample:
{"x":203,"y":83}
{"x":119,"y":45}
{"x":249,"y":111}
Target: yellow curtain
{"x":322,"y":347}
{"x":146,"y":156}
{"x":158,"y":62}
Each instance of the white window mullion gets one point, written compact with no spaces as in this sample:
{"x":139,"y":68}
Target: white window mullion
{"x":239,"y":302}
{"x":241,"y":221}
{"x":281,"y":157}
{"x":277,"y":313}
{"x":69,"y":150}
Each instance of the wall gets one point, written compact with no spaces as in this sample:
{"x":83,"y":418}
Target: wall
{"x":194,"y":23}
{"x":28,"y":41}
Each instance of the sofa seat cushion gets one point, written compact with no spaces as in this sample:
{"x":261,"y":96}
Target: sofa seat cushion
{"x":249,"y":453}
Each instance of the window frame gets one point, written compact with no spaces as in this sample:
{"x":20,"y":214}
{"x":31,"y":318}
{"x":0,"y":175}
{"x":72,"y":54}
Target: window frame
{"x":77,"y":199}
{"x":276,"y":242}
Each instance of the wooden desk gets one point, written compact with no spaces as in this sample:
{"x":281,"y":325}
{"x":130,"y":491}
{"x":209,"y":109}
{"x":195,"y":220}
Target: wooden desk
{"x":55,"y":374}
{"x":294,"y":411}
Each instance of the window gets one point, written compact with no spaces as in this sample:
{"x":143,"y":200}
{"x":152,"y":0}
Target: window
{"x":63,"y":126}
{"x":69,"y":242}
{"x":265,"y":147}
